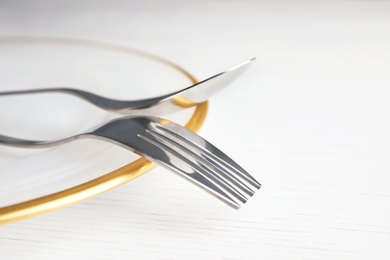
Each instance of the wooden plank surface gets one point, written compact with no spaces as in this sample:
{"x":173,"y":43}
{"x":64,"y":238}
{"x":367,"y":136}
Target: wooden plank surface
{"x":309,"y":120}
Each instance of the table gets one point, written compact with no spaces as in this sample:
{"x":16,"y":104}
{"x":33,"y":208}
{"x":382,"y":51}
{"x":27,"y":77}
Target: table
{"x":309,"y":120}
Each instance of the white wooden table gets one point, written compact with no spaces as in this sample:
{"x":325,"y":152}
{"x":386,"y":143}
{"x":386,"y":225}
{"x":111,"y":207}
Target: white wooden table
{"x":310,"y":120}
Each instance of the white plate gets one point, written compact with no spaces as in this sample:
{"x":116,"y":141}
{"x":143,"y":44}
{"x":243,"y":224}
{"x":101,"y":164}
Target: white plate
{"x":46,"y":62}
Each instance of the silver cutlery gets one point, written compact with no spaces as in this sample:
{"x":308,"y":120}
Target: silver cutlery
{"x":164,"y":104}
{"x":162,"y":141}
{"x":172,"y":146}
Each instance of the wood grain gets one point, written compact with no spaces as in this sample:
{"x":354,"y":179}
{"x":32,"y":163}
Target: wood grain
{"x":309,"y":120}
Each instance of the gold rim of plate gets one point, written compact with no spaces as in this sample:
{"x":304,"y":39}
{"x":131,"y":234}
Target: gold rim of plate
{"x":112,"y":179}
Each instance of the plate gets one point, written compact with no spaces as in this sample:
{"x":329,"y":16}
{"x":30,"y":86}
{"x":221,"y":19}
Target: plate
{"x":34,"y":181}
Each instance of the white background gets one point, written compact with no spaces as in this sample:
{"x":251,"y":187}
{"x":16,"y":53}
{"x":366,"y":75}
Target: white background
{"x":309,"y":120}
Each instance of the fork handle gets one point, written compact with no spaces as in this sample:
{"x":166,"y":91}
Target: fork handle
{"x":23,"y":143}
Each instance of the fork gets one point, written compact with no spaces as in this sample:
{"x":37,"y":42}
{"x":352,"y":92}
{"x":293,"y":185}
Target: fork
{"x":163,"y":104}
{"x":172,"y":146}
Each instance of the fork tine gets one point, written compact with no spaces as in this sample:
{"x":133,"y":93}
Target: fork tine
{"x":191,"y":173}
{"x":192,"y":150}
{"x":197,"y":163}
{"x":201,"y":162}
{"x":215,"y":158}
{"x":210,"y":151}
